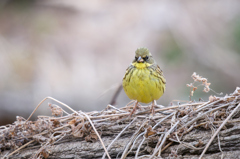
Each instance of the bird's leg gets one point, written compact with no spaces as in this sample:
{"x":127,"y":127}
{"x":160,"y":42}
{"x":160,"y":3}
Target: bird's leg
{"x":152,"y":106}
{"x":134,"y":109}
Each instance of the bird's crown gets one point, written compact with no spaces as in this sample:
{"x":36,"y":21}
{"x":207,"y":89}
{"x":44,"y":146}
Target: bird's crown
{"x":142,"y":52}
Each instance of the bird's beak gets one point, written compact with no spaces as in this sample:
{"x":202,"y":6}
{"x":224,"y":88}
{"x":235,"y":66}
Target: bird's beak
{"x":140,"y":59}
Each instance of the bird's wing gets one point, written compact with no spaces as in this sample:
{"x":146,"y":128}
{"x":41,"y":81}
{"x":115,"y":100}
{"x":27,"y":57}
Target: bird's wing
{"x":129,"y":69}
{"x":158,"y":72}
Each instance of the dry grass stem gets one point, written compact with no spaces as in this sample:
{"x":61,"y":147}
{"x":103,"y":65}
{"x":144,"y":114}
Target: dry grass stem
{"x":20,"y":148}
{"x":215,"y":134}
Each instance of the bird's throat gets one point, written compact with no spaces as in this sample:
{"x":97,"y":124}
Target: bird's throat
{"x":141,"y":65}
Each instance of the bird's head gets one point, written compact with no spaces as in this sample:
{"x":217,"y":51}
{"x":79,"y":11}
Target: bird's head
{"x":142,"y":55}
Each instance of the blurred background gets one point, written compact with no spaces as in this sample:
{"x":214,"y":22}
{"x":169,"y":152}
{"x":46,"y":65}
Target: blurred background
{"x":77,"y":51}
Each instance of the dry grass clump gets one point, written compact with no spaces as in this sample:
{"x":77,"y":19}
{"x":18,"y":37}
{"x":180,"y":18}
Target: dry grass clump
{"x":166,"y":129}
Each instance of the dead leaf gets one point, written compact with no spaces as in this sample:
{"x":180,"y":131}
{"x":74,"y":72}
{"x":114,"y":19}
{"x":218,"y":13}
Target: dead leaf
{"x":56,"y":110}
{"x":92,"y":137}
{"x":199,"y":144}
{"x":194,"y":88}
{"x":150,"y":132}
{"x":79,"y":130}
{"x":55,"y":123}
{"x":213,"y":98}
{"x":45,"y":153}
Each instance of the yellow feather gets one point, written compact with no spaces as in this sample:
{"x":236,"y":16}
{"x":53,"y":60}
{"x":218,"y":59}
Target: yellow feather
{"x":143,"y":83}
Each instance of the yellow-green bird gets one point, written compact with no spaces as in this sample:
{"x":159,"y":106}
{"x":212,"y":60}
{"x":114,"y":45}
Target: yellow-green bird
{"x":144,"y":80}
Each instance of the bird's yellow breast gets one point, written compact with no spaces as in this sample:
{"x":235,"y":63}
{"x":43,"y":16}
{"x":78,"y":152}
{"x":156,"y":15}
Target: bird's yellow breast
{"x":141,"y":84}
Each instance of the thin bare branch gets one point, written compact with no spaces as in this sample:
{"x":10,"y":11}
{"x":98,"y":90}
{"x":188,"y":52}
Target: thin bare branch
{"x":215,"y":134}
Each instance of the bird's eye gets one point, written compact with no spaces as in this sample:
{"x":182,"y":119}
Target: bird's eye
{"x":136,"y":58}
{"x":145,"y":58}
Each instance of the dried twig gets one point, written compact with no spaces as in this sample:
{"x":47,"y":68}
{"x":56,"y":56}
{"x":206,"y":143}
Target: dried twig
{"x":119,"y":134}
{"x":202,"y":115}
{"x":136,"y":155}
{"x":215,"y":134}
{"x":20,"y":148}
{"x":164,"y":139}
{"x":132,"y":139}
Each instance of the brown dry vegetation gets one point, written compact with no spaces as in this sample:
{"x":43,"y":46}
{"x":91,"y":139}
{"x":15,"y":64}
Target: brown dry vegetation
{"x":190,"y":130}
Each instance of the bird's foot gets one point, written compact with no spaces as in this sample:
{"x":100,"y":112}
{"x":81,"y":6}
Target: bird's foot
{"x":152,"y":108}
{"x":134,"y":109}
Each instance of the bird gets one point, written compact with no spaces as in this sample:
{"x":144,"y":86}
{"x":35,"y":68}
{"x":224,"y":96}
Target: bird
{"x":143,"y":80}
